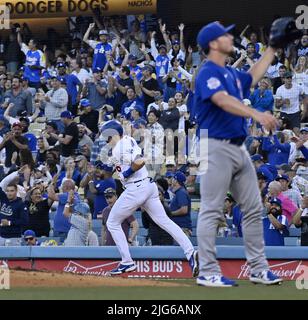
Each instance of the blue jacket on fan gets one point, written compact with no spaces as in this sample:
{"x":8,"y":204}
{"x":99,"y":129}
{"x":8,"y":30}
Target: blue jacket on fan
{"x":14,"y":211}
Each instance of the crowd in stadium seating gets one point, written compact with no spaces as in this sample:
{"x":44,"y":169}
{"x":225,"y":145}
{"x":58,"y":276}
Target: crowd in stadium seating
{"x":54,"y":99}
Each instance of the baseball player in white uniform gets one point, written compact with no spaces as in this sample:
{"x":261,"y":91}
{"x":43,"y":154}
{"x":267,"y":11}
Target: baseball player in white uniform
{"x":140,"y":191}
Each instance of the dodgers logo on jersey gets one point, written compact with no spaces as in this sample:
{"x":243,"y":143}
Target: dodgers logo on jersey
{"x":213,"y":83}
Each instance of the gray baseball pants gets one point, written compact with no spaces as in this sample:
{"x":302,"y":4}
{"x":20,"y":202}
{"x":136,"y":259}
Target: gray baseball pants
{"x":229,"y":168}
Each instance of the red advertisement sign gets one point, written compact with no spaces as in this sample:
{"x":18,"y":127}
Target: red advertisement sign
{"x":173,"y":269}
{"x":236,"y":269}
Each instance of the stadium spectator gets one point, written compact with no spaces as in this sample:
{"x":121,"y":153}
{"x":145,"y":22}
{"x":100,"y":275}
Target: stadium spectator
{"x":288,"y":207}
{"x":38,"y":208}
{"x":288,"y":101}
{"x":30,"y":239}
{"x":13,"y":141}
{"x":100,"y":47}
{"x":61,"y":223}
{"x":14,"y":212}
{"x":262,"y":98}
{"x":35,"y":60}
{"x":21,"y":99}
{"x":275,"y":224}
{"x":279,"y":80}
{"x":130,"y":225}
{"x":78,"y":215}
{"x":300,"y":220}
{"x":270,"y":172}
{"x":88,"y":116}
{"x":170,"y":118}
{"x":55,"y":102}
{"x":69,"y":139}
{"x":149,"y":85}
{"x":82,"y":74}
{"x":287,"y":190}
{"x":135,"y":97}
{"x":100,"y":180}
{"x":72,"y":83}
{"x":95,"y":90}
{"x":83,"y":137}
{"x":180,"y":205}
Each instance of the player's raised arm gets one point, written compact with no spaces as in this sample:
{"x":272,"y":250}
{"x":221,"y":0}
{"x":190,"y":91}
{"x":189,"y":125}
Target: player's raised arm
{"x":283,"y":32}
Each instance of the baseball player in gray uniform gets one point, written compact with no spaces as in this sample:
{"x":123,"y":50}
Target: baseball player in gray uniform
{"x":224,"y":161}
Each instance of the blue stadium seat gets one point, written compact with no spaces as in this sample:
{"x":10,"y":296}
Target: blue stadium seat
{"x":194,"y":240}
{"x":294,"y":232}
{"x":97,"y":226}
{"x":229,"y":241}
{"x":143,"y":232}
{"x":291,"y":241}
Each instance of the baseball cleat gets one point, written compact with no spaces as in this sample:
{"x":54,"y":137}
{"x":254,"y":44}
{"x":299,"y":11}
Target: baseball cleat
{"x":194,"y":263}
{"x":217,"y":281}
{"x":122,"y":268}
{"x":265,"y":277}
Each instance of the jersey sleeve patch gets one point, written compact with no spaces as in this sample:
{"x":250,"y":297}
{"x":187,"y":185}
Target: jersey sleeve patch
{"x":213,"y":83}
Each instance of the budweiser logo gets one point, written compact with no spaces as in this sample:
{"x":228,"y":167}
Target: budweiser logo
{"x":286,"y":270}
{"x":98,"y":270}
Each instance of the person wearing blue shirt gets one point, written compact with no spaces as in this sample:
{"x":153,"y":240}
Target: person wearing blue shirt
{"x":180,"y":204}
{"x":224,"y":161}
{"x":13,"y":211}
{"x":72,"y":83}
{"x":275,"y":225}
{"x":101,"y":48}
{"x":132,"y":102}
{"x":35,"y":61}
{"x":269,"y":171}
{"x":61,"y":223}
{"x":262,"y":98}
{"x":237,"y":217}
{"x":99,"y":185}
{"x":278,"y":151}
{"x":134,"y":68}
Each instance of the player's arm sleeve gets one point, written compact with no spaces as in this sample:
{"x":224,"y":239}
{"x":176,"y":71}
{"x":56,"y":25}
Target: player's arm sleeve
{"x":208,"y":83}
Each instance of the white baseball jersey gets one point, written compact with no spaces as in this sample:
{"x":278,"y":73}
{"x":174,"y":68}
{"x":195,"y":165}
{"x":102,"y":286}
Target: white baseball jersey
{"x":123,"y":154}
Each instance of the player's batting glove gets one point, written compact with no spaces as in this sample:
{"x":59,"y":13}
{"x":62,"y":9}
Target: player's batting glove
{"x":283,"y":31}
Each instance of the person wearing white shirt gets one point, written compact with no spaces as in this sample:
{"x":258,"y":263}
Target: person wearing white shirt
{"x":288,"y":101}
{"x":158,"y":104}
{"x":81,"y":73}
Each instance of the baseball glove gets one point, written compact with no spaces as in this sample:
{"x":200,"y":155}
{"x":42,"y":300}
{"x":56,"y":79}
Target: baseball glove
{"x":283,"y":31}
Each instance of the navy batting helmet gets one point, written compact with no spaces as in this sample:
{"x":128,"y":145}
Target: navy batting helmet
{"x":112,"y":128}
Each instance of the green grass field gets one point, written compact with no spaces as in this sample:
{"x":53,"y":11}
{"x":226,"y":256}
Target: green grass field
{"x":245,"y":291}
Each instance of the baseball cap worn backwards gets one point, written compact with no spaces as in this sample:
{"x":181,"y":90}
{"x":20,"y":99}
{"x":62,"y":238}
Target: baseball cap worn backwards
{"x":82,"y":208}
{"x":211,"y":32}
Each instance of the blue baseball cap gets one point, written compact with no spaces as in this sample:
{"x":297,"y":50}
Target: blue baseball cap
{"x":61,"y":79}
{"x":140,"y":122}
{"x":211,"y":32}
{"x":98,"y":164}
{"x":82,"y":208}
{"x":175,"y":42}
{"x":107,"y":168}
{"x":283,"y":177}
{"x":66,"y":114}
{"x":29,"y":234}
{"x":169,"y":174}
{"x":256,"y":157}
{"x":276,"y":201}
{"x":305,"y":129}
{"x":180,"y":177}
{"x":132,"y":57}
{"x":139,"y":108}
{"x":97,"y":70}
{"x":85,"y":103}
